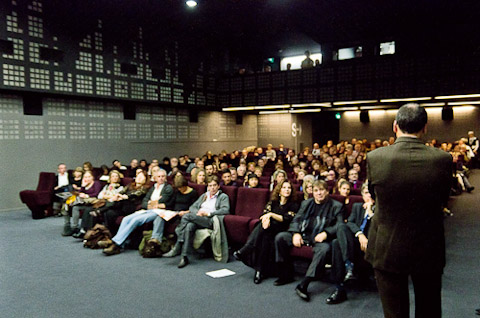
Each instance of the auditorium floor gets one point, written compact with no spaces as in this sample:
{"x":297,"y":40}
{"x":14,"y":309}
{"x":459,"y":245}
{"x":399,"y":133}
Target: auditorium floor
{"x":46,"y":275}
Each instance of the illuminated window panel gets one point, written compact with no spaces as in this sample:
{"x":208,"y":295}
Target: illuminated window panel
{"x":18,"y":50}
{"x":103,"y":86}
{"x":178,"y":95}
{"x":78,"y":130}
{"x":34,"y":53}
{"x":62,"y":82}
{"x":191,"y":99}
{"x":170,"y":114}
{"x":130,"y":131}
{"x":138,"y":91}
{"x":176,"y":81}
{"x":165,"y":94}
{"x":39,"y":78}
{"x":13,"y":75}
{"x":84,"y":61}
{"x":193,"y":132}
{"x":145,"y":131}
{"x":183,"y":116}
{"x":182,"y":132}
{"x":201,"y":98}
{"x":96,"y":110}
{"x":117,"y":69}
{"x":86,"y":42}
{"x":9,"y":129}
{"x":114,"y":111}
{"x":152,"y":92}
{"x":387,"y":48}
{"x":98,"y":41}
{"x":96,"y":130}
{"x":36,"y":6}
{"x":33,"y":129}
{"x":10,"y":104}
{"x":114,"y":131}
{"x":144,"y":113}
{"x":120,"y":89}
{"x":57,"y":129}
{"x":84,"y":84}
{"x":168,"y":75}
{"x":158,"y":114}
{"x":55,"y":107}
{"x":171,"y":132}
{"x":12,"y":23}
{"x":99,"y":63}
{"x":77,"y":109}
{"x":140,"y":71}
{"x":296,"y":61}
{"x":35,"y":26}
{"x":149,"y":74}
{"x":158,"y":131}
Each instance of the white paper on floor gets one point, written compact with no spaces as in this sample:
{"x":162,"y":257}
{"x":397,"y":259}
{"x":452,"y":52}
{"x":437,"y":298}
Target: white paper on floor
{"x":220,"y":273}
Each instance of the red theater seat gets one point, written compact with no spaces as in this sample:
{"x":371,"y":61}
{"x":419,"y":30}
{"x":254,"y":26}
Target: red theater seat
{"x":40,"y":200}
{"x":200,"y":188}
{"x":231,"y":191}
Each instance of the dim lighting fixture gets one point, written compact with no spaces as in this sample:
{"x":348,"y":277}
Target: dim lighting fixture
{"x":191,"y":3}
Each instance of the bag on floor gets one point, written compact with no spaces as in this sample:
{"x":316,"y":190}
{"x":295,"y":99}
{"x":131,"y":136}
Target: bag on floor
{"x":98,"y":233}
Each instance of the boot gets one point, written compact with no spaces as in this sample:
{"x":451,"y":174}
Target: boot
{"x":67,"y":230}
{"x":175,"y":251}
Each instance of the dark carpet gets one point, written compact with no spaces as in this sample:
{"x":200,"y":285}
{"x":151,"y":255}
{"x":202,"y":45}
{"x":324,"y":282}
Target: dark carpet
{"x":46,"y":275}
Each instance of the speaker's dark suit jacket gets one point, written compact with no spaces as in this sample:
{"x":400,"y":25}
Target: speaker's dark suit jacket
{"x":409,"y":181}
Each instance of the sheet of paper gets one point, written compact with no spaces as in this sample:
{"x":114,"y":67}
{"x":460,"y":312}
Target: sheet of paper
{"x":64,"y":195}
{"x":167,"y":215}
{"x":220,"y":273}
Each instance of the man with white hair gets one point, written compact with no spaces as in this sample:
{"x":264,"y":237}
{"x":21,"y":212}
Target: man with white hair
{"x":474,"y":143}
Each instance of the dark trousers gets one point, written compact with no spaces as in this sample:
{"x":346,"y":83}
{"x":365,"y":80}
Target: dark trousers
{"x":393,"y":290}
{"x":283,"y":245}
{"x":259,"y":250}
{"x":189,"y":223}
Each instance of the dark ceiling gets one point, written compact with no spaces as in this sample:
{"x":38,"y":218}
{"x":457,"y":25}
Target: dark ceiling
{"x":256,"y":29}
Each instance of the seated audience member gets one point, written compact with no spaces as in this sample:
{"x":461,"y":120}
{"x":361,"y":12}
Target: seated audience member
{"x":117,"y":165}
{"x":353,"y":179}
{"x":89,"y":191}
{"x":127,"y":200}
{"x":160,"y":196}
{"x":198,"y":165}
{"x":109,"y":193}
{"x":329,"y":162}
{"x":281,"y":150}
{"x":317,"y":168}
{"x":132,"y":170}
{"x":351,"y":244}
{"x":152,"y":172}
{"x":209,"y":171}
{"x":182,"y":164}
{"x":270,"y":153}
{"x":77,"y":178}
{"x":360,"y":171}
{"x":300,"y":175}
{"x":259,"y":250}
{"x":342,"y":172}
{"x":192,"y":165}
{"x":63,"y":185}
{"x":143,"y":164}
{"x":233,"y":160}
{"x":344,"y":188}
{"x":105,"y":173}
{"x":251,"y":167}
{"x":307,"y":229}
{"x":173,"y":164}
{"x":184,"y":198}
{"x":252,"y":181}
{"x":223,"y":166}
{"x":199,"y":176}
{"x":200,"y":214}
{"x":261,"y":163}
{"x":278,"y":177}
{"x":165,"y":165}
{"x":258,"y":171}
{"x":241,"y":171}
{"x":259,"y":153}
{"x":290,"y":154}
{"x":307,"y":188}
{"x":316,"y":150}
{"x":227,"y":179}
{"x":87,"y":166}
{"x":233,"y":172}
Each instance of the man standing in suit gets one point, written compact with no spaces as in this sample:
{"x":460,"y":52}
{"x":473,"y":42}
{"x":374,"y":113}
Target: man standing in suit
{"x":409,"y":182}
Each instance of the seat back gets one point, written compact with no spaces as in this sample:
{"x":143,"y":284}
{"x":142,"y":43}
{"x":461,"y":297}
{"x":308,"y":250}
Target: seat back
{"x":251,"y":202}
{"x":231,"y":191}
{"x":46,"y":181}
{"x":352,"y":199}
{"x":200,"y":188}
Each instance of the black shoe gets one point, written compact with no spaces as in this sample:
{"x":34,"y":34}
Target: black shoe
{"x":257,"y":279}
{"x":238,"y":255}
{"x":283,"y":281}
{"x":349,"y":276}
{"x":183,"y":262}
{"x":337,"y":297}
{"x":470,"y":189}
{"x":79,"y":235}
{"x":477,"y":311}
{"x":302,"y":293}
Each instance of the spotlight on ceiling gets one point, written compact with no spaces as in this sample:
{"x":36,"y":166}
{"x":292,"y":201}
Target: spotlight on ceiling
{"x":191,"y":3}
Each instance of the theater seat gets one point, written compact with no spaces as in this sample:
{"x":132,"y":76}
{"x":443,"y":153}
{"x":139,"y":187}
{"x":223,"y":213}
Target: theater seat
{"x":231,"y":191}
{"x":249,"y":206}
{"x":40,"y":200}
{"x":200,"y":188}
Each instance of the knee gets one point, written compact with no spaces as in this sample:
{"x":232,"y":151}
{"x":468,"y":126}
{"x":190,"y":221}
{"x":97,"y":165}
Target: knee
{"x":281,"y":237}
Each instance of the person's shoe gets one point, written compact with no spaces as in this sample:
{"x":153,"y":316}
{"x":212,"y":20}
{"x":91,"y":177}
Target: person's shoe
{"x":257,"y":279}
{"x":112,"y":250}
{"x":238,"y":255}
{"x":283,"y":281}
{"x":349,"y":276}
{"x":154,"y":241}
{"x":104,"y":244}
{"x":477,"y":311}
{"x":175,"y":251}
{"x":470,"y":189}
{"x":302,"y":293}
{"x":183,"y":262}
{"x":67,"y":231}
{"x":337,"y":297}
{"x":79,"y":235}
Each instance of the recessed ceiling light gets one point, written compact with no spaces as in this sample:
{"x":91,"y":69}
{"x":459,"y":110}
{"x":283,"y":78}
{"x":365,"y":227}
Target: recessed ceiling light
{"x":191,"y":3}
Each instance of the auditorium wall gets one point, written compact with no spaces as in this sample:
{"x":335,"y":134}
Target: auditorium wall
{"x":74,"y":131}
{"x":465,"y":118}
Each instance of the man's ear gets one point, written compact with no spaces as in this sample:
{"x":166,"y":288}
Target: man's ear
{"x":424,"y":130}
{"x":395,"y":126}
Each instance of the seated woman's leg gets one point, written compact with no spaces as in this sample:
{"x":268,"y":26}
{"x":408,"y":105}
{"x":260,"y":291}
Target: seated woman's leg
{"x":76,"y":216}
{"x":158,"y":226}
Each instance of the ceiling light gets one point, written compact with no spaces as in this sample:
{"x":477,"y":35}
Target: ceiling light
{"x":312,"y":110}
{"x":410,"y":99}
{"x":475,"y":102}
{"x":341,"y":109}
{"x":352,"y":102}
{"x":272,"y":106}
{"x":232,"y":109}
{"x":313,"y":105}
{"x":270,"y":112}
{"x":191,"y":3}
{"x":457,"y":96}
{"x":432,"y":104}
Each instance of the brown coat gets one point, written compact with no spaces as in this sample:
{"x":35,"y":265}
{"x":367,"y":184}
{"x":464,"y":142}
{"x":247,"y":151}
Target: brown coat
{"x":410,"y":182}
